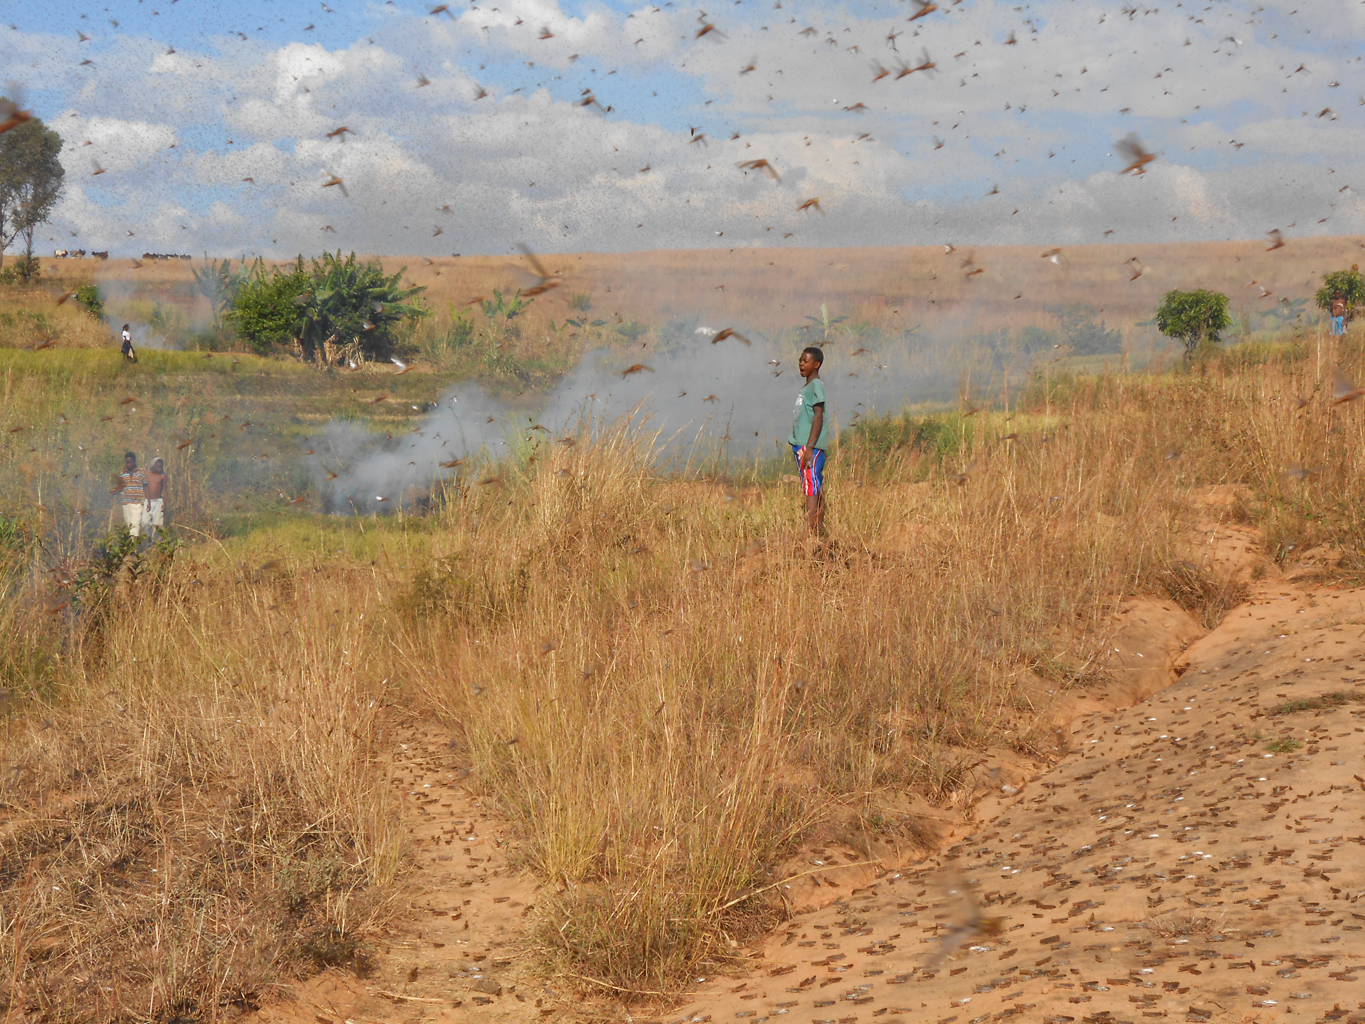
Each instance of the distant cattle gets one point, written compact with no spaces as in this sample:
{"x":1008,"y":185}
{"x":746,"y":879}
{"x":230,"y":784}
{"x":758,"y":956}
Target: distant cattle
{"x":166,"y":256}
{"x":59,"y":253}
{"x":73,"y":253}
{"x":101,"y":255}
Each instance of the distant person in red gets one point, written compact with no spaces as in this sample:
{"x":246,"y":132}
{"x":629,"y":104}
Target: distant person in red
{"x":128,"y":352}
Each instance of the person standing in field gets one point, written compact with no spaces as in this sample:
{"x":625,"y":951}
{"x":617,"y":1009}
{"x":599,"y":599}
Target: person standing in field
{"x":128,"y":353}
{"x":156,"y":497}
{"x":1338,"y":314}
{"x":133,"y":489}
{"x":810,"y":436}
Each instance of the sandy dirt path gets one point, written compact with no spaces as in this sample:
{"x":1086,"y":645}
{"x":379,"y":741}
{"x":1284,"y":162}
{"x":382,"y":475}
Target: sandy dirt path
{"x":457,"y":949}
{"x":1171,"y":866}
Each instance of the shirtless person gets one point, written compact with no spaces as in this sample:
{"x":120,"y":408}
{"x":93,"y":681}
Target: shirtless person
{"x":156,"y":500}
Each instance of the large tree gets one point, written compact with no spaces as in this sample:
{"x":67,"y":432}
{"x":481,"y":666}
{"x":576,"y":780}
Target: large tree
{"x":31,"y":180}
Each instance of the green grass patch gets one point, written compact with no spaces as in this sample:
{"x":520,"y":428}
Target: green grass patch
{"x":1324,"y":703}
{"x":1283,"y":745}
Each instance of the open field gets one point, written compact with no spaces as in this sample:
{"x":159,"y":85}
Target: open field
{"x":883,"y":292}
{"x":236,"y":766}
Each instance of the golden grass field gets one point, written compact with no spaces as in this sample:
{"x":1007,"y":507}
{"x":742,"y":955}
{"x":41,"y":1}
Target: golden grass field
{"x":659,"y":681}
{"x":773,"y":290}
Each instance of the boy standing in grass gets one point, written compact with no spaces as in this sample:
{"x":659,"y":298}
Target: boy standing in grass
{"x":133,"y":488}
{"x":156,"y":496}
{"x":809,"y":437}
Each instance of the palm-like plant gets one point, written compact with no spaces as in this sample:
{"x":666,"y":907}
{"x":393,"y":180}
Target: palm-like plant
{"x":219,"y":283}
{"x":353,"y":302}
{"x":825,"y":322}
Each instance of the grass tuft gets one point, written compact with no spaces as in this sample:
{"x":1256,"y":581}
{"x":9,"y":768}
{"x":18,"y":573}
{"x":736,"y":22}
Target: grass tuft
{"x":1324,"y":703}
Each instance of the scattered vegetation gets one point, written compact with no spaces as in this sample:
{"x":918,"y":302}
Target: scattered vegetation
{"x":1200,"y":592}
{"x":1283,"y":745}
{"x":1181,"y":924}
{"x":1324,"y":703}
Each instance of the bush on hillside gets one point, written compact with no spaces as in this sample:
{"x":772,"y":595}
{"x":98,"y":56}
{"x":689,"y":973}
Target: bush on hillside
{"x":349,"y":302}
{"x":1079,"y":332}
{"x":1193,"y":317}
{"x":1349,"y":284}
{"x":88,"y":295}
{"x":339,"y":302}
{"x":261,"y":306}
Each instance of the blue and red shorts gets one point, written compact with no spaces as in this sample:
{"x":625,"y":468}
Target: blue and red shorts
{"x":812,"y":476}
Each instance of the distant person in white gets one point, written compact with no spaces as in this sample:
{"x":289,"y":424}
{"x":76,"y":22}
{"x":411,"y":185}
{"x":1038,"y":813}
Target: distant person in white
{"x":128,"y":352}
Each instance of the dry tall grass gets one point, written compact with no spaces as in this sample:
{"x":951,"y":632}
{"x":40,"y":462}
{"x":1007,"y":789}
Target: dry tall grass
{"x":656,"y":677}
{"x":198,"y":810}
{"x":31,"y":315}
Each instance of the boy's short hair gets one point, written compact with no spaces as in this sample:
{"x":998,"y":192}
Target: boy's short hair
{"x":815,"y":353}
{"x":130,"y":455}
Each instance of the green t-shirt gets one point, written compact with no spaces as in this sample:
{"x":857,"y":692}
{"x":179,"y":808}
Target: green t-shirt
{"x":811,"y":395}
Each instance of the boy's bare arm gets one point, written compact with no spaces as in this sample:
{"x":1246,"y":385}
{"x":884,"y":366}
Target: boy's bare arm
{"x":816,"y":423}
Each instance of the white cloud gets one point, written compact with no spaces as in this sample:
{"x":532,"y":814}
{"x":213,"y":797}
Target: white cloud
{"x":527,"y":162}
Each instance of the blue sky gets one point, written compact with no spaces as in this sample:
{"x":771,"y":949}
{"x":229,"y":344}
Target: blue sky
{"x":1254,"y":110}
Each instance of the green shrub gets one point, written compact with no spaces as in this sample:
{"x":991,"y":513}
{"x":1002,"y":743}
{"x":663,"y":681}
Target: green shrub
{"x":632,"y":331}
{"x":1081,"y":334}
{"x":435,"y":342}
{"x":1193,"y":317}
{"x":21,"y":269}
{"x":263,"y":308}
{"x":1349,"y":285}
{"x":88,"y":295}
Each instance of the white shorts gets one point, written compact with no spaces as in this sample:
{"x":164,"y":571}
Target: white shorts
{"x":133,"y":515}
{"x":156,"y":512}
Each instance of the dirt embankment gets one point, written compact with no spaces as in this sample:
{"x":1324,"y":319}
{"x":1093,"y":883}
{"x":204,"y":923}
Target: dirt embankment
{"x":1180,"y":861}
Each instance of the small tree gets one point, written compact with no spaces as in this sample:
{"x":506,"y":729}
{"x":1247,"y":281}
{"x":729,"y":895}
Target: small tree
{"x":1349,"y":285}
{"x":1193,"y":317}
{"x":31,"y":181}
{"x":263,"y":307}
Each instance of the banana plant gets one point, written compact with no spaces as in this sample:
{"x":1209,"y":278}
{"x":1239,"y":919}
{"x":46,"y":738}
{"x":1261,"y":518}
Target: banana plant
{"x":824,"y":321}
{"x":354,"y":301}
{"x":504,"y":308}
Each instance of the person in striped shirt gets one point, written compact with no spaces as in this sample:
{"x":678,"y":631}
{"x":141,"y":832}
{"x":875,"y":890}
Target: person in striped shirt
{"x":133,"y":491}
